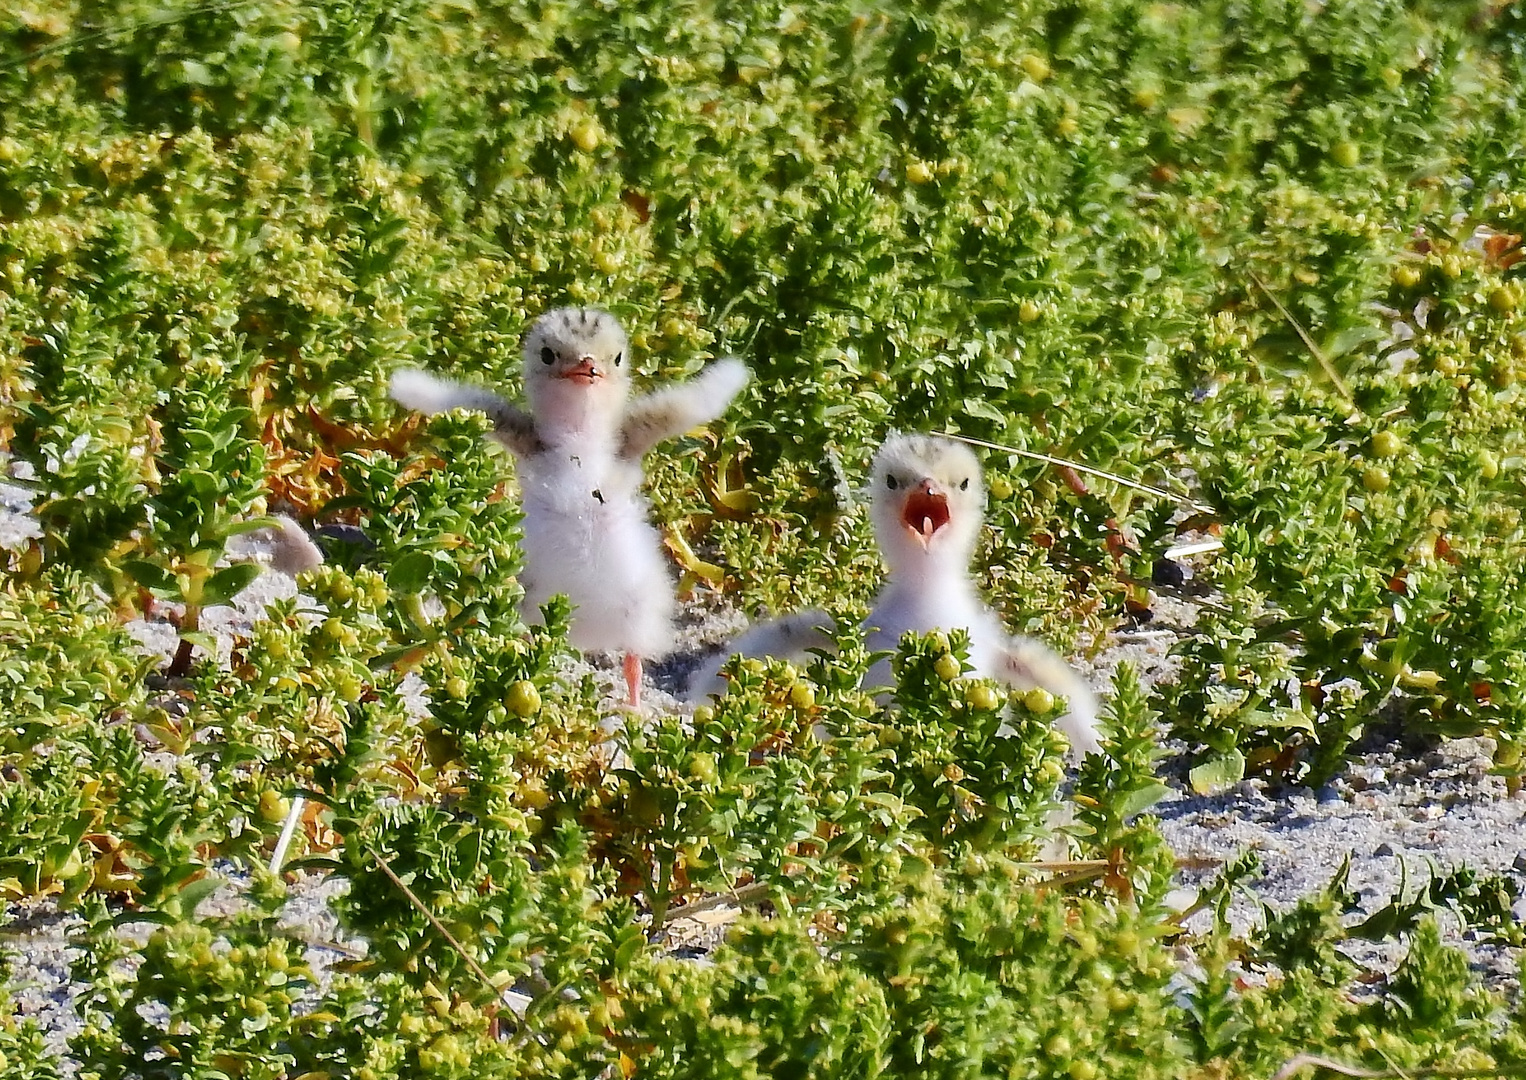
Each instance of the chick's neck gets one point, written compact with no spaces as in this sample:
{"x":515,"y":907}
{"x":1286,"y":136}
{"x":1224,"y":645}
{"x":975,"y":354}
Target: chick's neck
{"x":572,"y":415}
{"x":937,"y":570}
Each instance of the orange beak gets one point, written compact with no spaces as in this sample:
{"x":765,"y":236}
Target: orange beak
{"x":925,"y":512}
{"x":585,"y":373}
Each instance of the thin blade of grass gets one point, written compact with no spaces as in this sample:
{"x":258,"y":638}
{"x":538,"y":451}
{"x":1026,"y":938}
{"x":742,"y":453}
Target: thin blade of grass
{"x":471,"y":961}
{"x":1314,"y":349}
{"x":1088,"y":469}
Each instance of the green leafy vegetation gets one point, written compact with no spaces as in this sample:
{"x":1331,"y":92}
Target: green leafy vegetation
{"x":1261,"y":256}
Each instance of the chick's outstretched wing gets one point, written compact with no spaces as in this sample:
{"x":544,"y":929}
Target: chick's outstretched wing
{"x":674,"y":410}
{"x":430,"y":394}
{"x":1028,"y":664}
{"x":791,"y":637}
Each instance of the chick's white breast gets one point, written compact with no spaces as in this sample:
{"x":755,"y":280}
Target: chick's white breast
{"x":587,"y":534}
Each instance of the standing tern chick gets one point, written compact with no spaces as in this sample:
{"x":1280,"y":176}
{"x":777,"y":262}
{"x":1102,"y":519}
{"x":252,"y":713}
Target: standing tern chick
{"x":928,"y":503}
{"x":587,"y":527}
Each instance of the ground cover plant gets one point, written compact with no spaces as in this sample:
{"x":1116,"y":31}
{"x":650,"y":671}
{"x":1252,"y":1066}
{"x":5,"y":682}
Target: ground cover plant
{"x":1261,"y":257}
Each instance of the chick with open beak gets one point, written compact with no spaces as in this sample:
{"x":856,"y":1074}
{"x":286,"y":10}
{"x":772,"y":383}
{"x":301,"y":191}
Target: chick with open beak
{"x":925,"y":511}
{"x":928,"y":504}
{"x":587,"y":526}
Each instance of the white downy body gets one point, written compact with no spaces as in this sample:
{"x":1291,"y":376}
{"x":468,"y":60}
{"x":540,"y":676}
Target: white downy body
{"x":924,"y":602}
{"x":587,"y":527}
{"x":588,"y":534}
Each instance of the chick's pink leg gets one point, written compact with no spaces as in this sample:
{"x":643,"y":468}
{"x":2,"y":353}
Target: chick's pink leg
{"x":633,"y":680}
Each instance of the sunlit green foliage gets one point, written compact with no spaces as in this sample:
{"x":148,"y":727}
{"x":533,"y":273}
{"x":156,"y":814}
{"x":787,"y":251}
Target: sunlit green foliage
{"x":1259,"y":254}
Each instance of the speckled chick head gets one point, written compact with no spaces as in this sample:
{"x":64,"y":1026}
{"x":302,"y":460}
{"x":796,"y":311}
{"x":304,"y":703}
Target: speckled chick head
{"x":928,"y":498}
{"x":577,"y":368}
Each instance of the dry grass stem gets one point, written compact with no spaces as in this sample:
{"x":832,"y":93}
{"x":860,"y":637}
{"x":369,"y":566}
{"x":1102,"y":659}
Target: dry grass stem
{"x":1318,"y":353}
{"x":1048,"y":459}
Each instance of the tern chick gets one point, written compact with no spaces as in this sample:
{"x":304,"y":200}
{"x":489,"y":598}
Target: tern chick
{"x":928,"y":503}
{"x":587,"y":527}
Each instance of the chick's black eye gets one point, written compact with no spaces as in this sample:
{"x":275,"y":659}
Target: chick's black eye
{"x":548,"y":355}
{"x":890,"y":482}
{"x":619,"y":356}
{"x":964,"y":485}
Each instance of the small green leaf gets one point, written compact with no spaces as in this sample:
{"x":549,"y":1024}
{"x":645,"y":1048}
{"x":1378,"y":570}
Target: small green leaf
{"x":194,"y":892}
{"x":980,"y":407}
{"x":628,"y":949}
{"x":1286,"y":718}
{"x":1218,"y":773}
{"x":152,"y":576}
{"x":325,"y":864}
{"x":411,"y":572}
{"x":249,"y":525}
{"x":201,"y":639}
{"x":1140,"y":800}
{"x":227,"y":583}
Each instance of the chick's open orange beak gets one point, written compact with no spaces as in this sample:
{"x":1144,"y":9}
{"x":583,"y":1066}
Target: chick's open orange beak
{"x":925,"y":512}
{"x":585,"y":372}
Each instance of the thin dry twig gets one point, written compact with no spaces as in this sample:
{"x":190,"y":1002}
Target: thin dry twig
{"x":1305,"y":1061}
{"x":313,"y":941}
{"x":1319,"y":354}
{"x":747,"y":894}
{"x":1076,"y":465}
{"x":1062,"y":866}
{"x":288,"y":830}
{"x":413,"y":899}
{"x":85,"y":37}
{"x":1197,"y":547}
